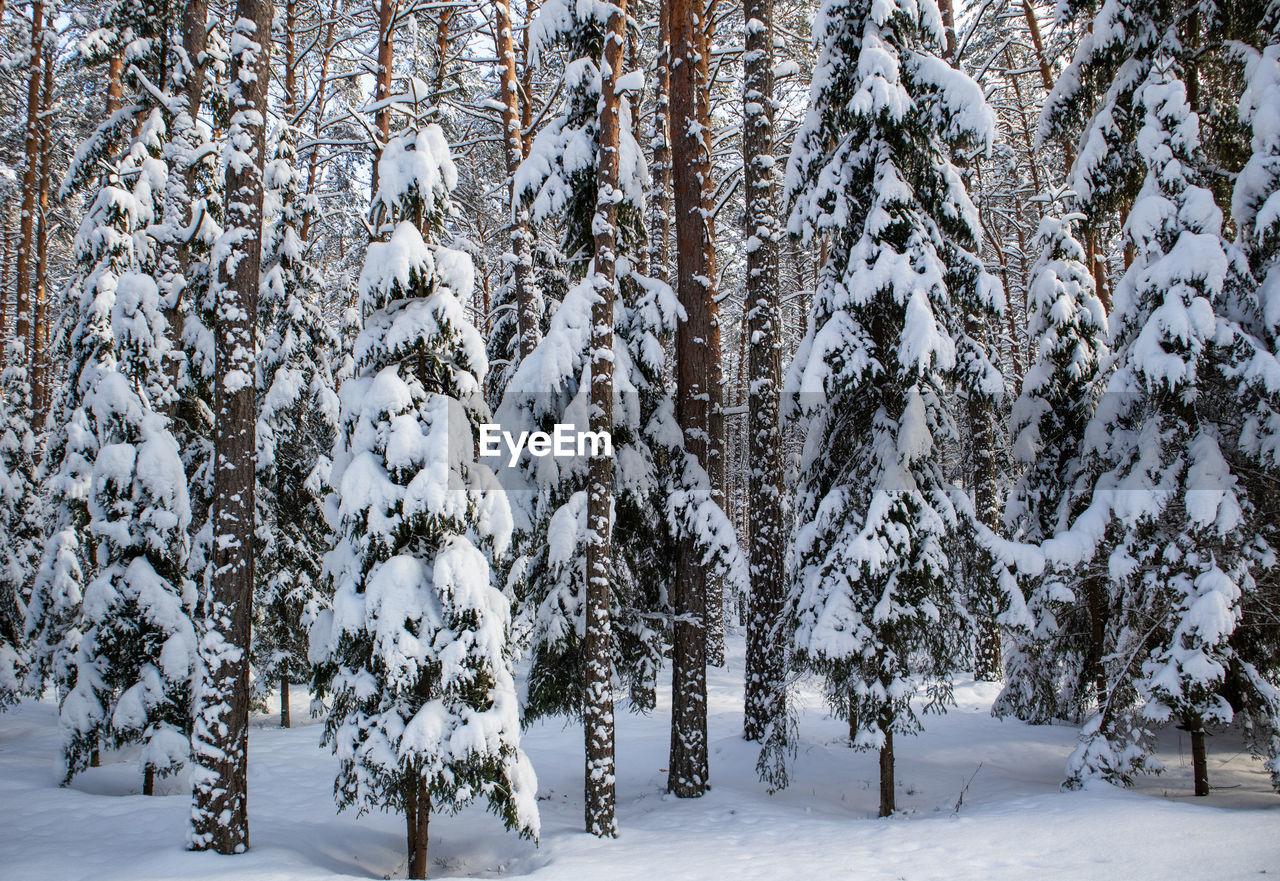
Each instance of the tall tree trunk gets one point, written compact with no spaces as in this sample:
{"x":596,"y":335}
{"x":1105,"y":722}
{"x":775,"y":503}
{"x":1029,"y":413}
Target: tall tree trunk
{"x":30,"y":187}
{"x":40,"y":328}
{"x":597,"y":660}
{"x":290,"y":61}
{"x":313,"y":161}
{"x":219,"y":815}
{"x":714,"y":460}
{"x":660,"y":172}
{"x":286,"y":718}
{"x":442,"y":50}
{"x":696,"y":357}
{"x":527,"y":310}
{"x":763,"y":704}
{"x":887,"y":801}
{"x":387,"y":10}
{"x":6,"y":270}
{"x":526,"y":80}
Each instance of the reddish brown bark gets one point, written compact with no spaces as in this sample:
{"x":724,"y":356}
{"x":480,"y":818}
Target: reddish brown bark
{"x":697,"y":388}
{"x":30,"y":183}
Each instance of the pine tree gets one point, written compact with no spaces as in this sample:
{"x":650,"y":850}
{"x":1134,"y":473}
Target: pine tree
{"x":764,"y":705}
{"x":1255,"y":207}
{"x":657,"y":493}
{"x":20,"y":527}
{"x":1169,"y":513}
{"x":1050,"y":669}
{"x":136,"y":652}
{"x":220,"y":735}
{"x":876,"y":519}
{"x":297,"y":416}
{"x":425,"y":714}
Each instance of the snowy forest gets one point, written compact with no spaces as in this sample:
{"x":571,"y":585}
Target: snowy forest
{"x":937,"y":348}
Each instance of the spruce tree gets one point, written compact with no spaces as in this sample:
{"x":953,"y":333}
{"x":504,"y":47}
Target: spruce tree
{"x":1168,"y":512}
{"x":20,"y":526}
{"x":1049,"y":670}
{"x":658,"y":491}
{"x":297,"y":416}
{"x":136,"y":654}
{"x":876,"y":519}
{"x":424,"y":709}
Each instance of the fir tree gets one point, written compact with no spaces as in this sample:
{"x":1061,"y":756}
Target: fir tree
{"x":20,"y":526}
{"x":659,"y":494}
{"x":876,"y":519}
{"x":296,"y":421}
{"x":1048,"y":670}
{"x":1168,"y":513}
{"x":135,"y":657}
{"x":425,"y":714}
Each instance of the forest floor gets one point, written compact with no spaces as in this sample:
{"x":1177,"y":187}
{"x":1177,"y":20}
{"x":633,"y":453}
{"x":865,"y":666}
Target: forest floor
{"x":1012,"y":822}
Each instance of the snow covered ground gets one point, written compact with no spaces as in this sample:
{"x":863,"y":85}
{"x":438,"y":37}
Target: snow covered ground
{"x":1012,"y":822}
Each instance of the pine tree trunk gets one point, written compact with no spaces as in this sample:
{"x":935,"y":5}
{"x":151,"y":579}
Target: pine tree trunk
{"x":313,"y":161}
{"x":526,"y":81}
{"x":660,"y":171}
{"x":714,"y":459}
{"x":382,"y":82}
{"x":695,"y":362}
{"x":40,"y":327}
{"x":598,"y":702}
{"x":887,"y":806}
{"x":418,"y":821}
{"x":1199,"y":761}
{"x":513,"y":148}
{"x":149,"y":779}
{"x":219,"y":816}
{"x":763,"y":705}
{"x":286,"y":718}
{"x":30,"y":187}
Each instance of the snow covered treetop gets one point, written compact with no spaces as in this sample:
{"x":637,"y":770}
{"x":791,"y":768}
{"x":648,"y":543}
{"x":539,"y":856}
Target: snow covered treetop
{"x":415,"y":176}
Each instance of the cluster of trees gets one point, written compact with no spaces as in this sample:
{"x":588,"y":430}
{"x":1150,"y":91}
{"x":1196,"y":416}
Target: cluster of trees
{"x":268,"y":269}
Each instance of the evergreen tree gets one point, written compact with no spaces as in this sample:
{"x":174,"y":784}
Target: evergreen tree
{"x":1048,"y":670}
{"x":20,"y":525}
{"x":425,"y":713}
{"x":1169,"y":513}
{"x":297,"y":416}
{"x":135,"y":658}
{"x":656,"y":488}
{"x":876,"y":519}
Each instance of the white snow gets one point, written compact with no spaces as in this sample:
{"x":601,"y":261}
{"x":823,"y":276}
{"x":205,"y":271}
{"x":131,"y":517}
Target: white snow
{"x":980,"y":800}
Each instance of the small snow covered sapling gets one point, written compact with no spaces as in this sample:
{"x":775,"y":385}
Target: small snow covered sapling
{"x":424,"y":708}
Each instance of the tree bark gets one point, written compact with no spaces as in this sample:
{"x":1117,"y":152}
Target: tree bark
{"x":285,"y":714}
{"x":597,"y":653}
{"x":1199,"y":762}
{"x":313,"y":161}
{"x":417,"y":823}
{"x":40,"y":327}
{"x":382,"y":83}
{"x":763,"y":705}
{"x":220,"y":741}
{"x":696,"y":390}
{"x":30,"y":187}
{"x":887,"y":805}
{"x":149,"y":779}
{"x":527,"y":323}
{"x":714,"y":460}
{"x":660,"y":172}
